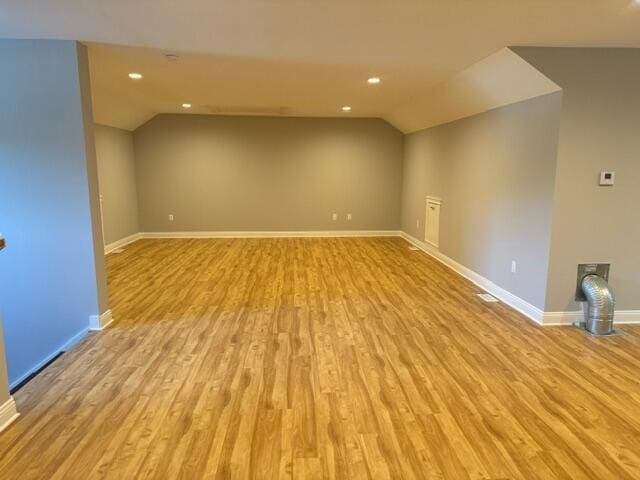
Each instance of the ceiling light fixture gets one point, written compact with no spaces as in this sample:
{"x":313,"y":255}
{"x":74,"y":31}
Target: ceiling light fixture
{"x":346,"y":108}
{"x":373,"y":80}
{"x":135,"y":76}
{"x":186,"y":105}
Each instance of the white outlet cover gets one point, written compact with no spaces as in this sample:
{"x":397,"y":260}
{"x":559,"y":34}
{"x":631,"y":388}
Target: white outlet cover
{"x":607,"y":178}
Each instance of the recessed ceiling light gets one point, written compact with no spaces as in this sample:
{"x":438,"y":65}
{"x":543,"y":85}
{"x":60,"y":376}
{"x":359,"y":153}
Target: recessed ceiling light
{"x":373,"y":80}
{"x":135,"y":76}
{"x":346,"y":108}
{"x":186,"y":105}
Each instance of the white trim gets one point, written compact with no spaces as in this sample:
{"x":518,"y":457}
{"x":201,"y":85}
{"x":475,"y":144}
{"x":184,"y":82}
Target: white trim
{"x":8,"y":413}
{"x":522,"y":306}
{"x":292,"y":234}
{"x":100,"y":322}
{"x":557,"y":319}
{"x":621,"y":317}
{"x":626,"y":317}
{"x":121,"y":243}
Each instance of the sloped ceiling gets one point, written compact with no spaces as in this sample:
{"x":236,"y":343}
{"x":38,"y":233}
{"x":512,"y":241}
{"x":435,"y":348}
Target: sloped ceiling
{"x":500,"y":79}
{"x":302,"y":58}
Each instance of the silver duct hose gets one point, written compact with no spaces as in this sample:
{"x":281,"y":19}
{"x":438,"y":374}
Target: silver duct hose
{"x":600,"y":310}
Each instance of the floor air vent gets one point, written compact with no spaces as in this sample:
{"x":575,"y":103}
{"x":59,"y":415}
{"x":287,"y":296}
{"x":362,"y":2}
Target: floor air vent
{"x":118,"y":250}
{"x":487,"y":297}
{"x":413,"y":248}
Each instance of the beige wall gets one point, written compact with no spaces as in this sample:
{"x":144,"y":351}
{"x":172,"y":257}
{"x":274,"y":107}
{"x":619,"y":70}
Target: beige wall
{"x":600,"y":130}
{"x":216,"y":173}
{"x":495,"y":174}
{"x":117,"y":179}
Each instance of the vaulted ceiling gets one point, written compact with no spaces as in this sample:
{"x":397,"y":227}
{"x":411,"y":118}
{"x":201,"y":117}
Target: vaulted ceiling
{"x":306,"y":58}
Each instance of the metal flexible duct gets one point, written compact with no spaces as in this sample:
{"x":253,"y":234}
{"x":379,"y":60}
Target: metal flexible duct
{"x":600,"y":310}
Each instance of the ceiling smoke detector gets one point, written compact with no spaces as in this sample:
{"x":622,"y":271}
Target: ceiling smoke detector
{"x":172,"y":57}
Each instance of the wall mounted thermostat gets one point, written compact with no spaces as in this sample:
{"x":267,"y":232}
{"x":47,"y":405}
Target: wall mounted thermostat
{"x":607,"y":178}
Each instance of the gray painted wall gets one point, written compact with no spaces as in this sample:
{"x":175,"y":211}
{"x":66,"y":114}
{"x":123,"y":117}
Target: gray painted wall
{"x":217,"y":173}
{"x":51,"y":274}
{"x":117,"y":179}
{"x":91,"y":164}
{"x":495,"y":174}
{"x":599,"y":131}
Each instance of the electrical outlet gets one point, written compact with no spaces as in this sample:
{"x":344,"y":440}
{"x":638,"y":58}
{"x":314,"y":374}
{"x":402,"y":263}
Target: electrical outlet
{"x":514,"y":266}
{"x":334,"y":217}
{"x":607,"y":178}
{"x":348,"y":216}
{"x":171,"y":217}
{"x":417,"y":223}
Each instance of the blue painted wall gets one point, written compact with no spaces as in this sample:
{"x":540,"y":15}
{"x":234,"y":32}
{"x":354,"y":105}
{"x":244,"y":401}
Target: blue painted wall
{"x":48,"y":284}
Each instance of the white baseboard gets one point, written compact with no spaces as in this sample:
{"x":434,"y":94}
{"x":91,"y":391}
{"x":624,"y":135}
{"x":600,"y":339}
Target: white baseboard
{"x":286,"y":234}
{"x":621,"y":317}
{"x":556,"y":319}
{"x":627,"y":317}
{"x":121,"y":243}
{"x":8,"y":413}
{"x":530,"y":311}
{"x":100,"y":322}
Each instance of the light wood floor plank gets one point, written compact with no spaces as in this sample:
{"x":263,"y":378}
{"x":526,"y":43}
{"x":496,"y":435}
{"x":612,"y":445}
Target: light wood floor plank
{"x":322,"y":358}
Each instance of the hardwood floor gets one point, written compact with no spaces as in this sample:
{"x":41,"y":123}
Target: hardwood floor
{"x":322,"y":358}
